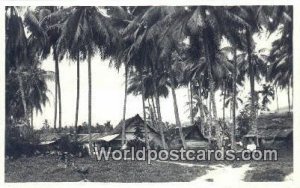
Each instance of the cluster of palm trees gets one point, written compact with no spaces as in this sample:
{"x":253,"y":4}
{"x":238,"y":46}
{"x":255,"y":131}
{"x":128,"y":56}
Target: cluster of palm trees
{"x":161,"y":49}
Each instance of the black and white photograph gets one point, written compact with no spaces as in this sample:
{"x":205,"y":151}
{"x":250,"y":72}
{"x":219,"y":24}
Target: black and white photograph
{"x":142,"y":94}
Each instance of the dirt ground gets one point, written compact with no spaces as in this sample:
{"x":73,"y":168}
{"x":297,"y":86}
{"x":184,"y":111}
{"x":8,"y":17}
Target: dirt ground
{"x":51,"y":169}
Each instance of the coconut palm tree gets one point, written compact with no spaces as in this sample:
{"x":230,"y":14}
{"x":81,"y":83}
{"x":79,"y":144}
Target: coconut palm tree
{"x":44,"y":36}
{"x":35,"y":82}
{"x":209,"y":25}
{"x":16,"y":52}
{"x":141,"y":33}
{"x":266,"y":92}
{"x":280,"y":71}
{"x":141,"y":83}
{"x":31,"y":78}
{"x":255,"y":17}
{"x":121,"y":18}
{"x":86,"y":30}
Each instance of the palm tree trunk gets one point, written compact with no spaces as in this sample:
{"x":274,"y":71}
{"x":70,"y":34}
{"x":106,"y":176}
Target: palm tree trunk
{"x":144,"y":116}
{"x":252,"y":82}
{"x":158,"y":111}
{"x":211,"y":83}
{"x":124,"y":106}
{"x":191,"y":103}
{"x":209,"y":119}
{"x":289,"y":100}
{"x":78,"y":95}
{"x":151,"y":112}
{"x":58,"y":90}
{"x":292,"y":103}
{"x":276,"y":92}
{"x":178,"y":123}
{"x":31,"y":117}
{"x":200,"y":101}
{"x":230,"y":110}
{"x":154,"y":110}
{"x":213,"y":102}
{"x":234,"y":101}
{"x":23,"y":99}
{"x":210,"y":80}
{"x":55,"y":106}
{"x":224,"y":97}
{"x":90,"y":102}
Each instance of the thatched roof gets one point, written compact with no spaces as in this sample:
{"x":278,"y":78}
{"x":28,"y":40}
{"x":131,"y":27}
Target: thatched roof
{"x":187,"y":132}
{"x":135,"y":120}
{"x":194,"y":133}
{"x":48,"y":138}
{"x":273,"y":126}
{"x":85,"y":137}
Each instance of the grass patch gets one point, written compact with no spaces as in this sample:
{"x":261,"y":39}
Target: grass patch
{"x":50,"y":169}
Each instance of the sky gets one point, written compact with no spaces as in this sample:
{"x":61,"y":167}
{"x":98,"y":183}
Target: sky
{"x":108,"y":93}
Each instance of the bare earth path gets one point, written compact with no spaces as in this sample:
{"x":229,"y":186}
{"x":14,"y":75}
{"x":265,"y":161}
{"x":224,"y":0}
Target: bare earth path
{"x":223,"y":173}
{"x":219,"y":172}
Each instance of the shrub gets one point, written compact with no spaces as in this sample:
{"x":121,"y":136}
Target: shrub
{"x":243,"y":122}
{"x":136,"y":144}
{"x":20,"y":141}
{"x":66,"y":145}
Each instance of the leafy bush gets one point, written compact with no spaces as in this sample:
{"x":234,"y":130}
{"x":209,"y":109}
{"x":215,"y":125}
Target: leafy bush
{"x":243,"y":122}
{"x":20,"y":141}
{"x":154,"y":145}
{"x":66,"y":145}
{"x":136,"y":143}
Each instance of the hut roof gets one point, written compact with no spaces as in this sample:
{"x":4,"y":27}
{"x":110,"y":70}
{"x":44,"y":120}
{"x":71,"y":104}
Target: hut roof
{"x":85,"y":137}
{"x":48,"y":138}
{"x":188,"y":132}
{"x":273,"y":125}
{"x":135,"y":120}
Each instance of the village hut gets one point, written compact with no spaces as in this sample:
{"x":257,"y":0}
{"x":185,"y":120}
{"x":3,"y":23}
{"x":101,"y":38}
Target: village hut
{"x":193,"y":137}
{"x":274,"y":131}
{"x":114,"y":138}
{"x":131,"y":125}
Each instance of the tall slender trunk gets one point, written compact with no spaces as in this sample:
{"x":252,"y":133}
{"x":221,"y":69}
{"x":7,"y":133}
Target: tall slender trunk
{"x":31,"y":113}
{"x":230,"y":110}
{"x":276,"y":92}
{"x":176,"y":113}
{"x":211,"y":82}
{"x":158,"y":111}
{"x":213,"y":103}
{"x":224,"y":97}
{"x":234,"y":101}
{"x":124,"y":106}
{"x":90,"y":102}
{"x":292,"y":103}
{"x":209,"y":118}
{"x":151,"y":113}
{"x":289,"y":100}
{"x":210,"y":79}
{"x":252,"y":82}
{"x":144,"y":116}
{"x":201,"y":103}
{"x":23,"y":98}
{"x":154,"y":110}
{"x":55,"y":104}
{"x":78,"y":95}
{"x":207,"y":100}
{"x":58,"y":89}
{"x":191,"y":103}
{"x":201,"y":110}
